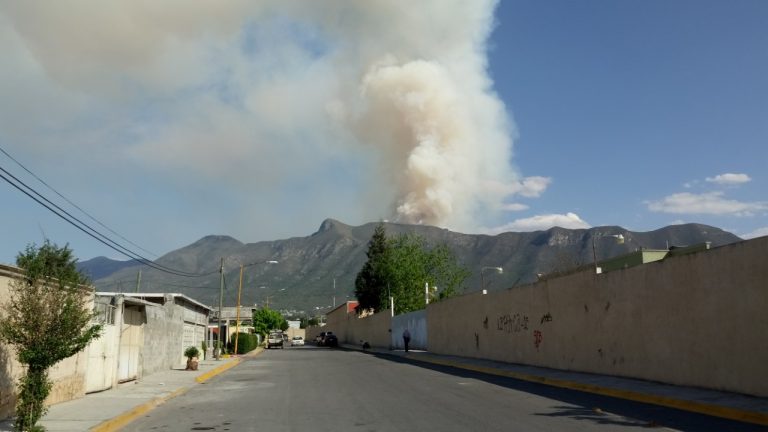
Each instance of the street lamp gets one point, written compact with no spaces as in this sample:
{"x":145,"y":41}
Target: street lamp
{"x":239,"y":291}
{"x":619,"y":240}
{"x":498,"y":270}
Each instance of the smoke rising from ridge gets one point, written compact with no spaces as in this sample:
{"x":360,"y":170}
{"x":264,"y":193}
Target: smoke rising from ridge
{"x":240,"y":91}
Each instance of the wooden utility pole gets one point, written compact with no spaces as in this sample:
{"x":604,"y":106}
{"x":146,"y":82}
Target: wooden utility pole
{"x":138,"y":281}
{"x":221,"y":307}
{"x":237,"y":319}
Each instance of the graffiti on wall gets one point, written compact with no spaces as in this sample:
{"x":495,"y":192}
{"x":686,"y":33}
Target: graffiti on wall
{"x":537,"y":338}
{"x":512,"y":323}
{"x":546,"y":318}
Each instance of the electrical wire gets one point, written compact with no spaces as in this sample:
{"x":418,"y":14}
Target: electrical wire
{"x":2,"y":150}
{"x":85,"y":228}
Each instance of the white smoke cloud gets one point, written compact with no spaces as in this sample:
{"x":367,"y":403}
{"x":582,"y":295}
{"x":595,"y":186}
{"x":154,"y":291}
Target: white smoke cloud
{"x":513,"y":207}
{"x":759,"y":232}
{"x":713,"y":203}
{"x":729,"y":179}
{"x":259,"y":94}
{"x":541,"y":222}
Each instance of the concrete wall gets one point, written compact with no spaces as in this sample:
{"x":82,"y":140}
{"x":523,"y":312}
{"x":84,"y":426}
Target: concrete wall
{"x":416,"y":323}
{"x":351,"y":329}
{"x":171,"y":327}
{"x":374,"y":329}
{"x":68,"y":375}
{"x":163,"y":335}
{"x":697,"y":320}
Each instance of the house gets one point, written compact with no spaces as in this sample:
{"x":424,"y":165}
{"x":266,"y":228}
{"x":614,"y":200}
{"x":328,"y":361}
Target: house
{"x":143,"y":333}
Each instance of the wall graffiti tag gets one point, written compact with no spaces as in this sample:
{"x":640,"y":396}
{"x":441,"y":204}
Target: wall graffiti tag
{"x":537,"y":338}
{"x":512,"y":323}
{"x":546,"y":318}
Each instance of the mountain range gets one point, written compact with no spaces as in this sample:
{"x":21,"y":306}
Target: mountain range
{"x":314,"y":273}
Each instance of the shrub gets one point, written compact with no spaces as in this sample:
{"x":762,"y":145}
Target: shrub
{"x":246,"y":342}
{"x":191,"y":352}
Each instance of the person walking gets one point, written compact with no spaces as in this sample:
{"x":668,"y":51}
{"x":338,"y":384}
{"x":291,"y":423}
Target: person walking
{"x":406,"y":338}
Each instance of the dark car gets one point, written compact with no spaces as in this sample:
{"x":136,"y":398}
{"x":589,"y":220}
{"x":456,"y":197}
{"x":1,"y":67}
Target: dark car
{"x":330,"y":340}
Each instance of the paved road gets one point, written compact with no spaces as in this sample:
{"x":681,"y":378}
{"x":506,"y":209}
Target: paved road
{"x":320,"y":389}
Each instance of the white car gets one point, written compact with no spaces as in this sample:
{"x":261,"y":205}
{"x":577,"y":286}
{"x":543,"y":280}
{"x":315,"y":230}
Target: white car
{"x":297,"y":341}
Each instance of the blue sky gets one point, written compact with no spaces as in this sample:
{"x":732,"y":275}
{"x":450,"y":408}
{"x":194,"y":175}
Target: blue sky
{"x":260,"y":122}
{"x":625,"y":104}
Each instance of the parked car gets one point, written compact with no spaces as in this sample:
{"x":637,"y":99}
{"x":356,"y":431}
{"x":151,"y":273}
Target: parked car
{"x":275,"y":339}
{"x":297,"y":341}
{"x":323,"y":337}
{"x":330,"y":340}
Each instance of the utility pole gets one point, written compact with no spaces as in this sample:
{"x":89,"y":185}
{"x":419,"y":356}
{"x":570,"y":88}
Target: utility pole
{"x":221,"y":307}
{"x":138,"y":281}
{"x":237,"y":319}
{"x":334,"y":293}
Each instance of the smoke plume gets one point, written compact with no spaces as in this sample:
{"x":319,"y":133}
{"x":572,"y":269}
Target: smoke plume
{"x":394,"y":94}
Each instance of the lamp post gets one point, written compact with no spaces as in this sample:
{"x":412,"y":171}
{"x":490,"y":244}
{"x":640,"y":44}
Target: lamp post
{"x":498,"y":270}
{"x":619,"y":240}
{"x":239,"y":291}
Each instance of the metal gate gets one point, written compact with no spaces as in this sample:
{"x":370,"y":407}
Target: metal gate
{"x":101,"y":360}
{"x":131,"y":341}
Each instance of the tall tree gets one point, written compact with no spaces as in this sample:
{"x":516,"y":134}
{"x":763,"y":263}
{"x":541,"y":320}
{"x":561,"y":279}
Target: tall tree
{"x":266,"y":319}
{"x":47,"y":319}
{"x":371,"y":281}
{"x":400,"y":267}
{"x":410,"y":264}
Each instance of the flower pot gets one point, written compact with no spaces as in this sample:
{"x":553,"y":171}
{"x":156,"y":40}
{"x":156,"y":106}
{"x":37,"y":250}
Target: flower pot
{"x":192,"y":364}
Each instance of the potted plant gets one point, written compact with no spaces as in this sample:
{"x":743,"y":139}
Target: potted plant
{"x":192,"y":354}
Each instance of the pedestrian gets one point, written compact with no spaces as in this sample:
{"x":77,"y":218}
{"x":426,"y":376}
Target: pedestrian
{"x":406,"y":339}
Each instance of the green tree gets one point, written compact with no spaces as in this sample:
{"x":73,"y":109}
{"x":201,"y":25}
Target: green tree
{"x":47,"y":319}
{"x":400,"y":267}
{"x":371,"y":281}
{"x":266,"y":319}
{"x":410,"y":264}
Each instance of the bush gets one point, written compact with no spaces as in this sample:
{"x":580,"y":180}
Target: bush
{"x":191,"y":352}
{"x":246,"y":342}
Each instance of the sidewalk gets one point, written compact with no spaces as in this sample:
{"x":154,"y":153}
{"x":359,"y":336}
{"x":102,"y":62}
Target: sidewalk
{"x":731,"y":406}
{"x":111,"y":409}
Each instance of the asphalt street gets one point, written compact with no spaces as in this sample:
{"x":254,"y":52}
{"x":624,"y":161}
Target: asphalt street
{"x":321,"y":389}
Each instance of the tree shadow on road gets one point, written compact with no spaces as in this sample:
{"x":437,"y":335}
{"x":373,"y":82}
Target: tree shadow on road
{"x":595,"y":415}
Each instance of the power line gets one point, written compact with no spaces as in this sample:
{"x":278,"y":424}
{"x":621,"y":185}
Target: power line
{"x":70,"y":202}
{"x":85,"y":228}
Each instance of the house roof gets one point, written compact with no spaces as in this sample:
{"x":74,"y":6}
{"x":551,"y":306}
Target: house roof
{"x":160,"y":296}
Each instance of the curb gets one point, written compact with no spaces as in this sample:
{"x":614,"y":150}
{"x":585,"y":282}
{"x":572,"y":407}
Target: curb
{"x":697,"y":407}
{"x":123,"y":419}
{"x":213,"y":372}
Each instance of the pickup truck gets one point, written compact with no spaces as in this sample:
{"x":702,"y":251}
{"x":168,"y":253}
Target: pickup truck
{"x":275,"y":339}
